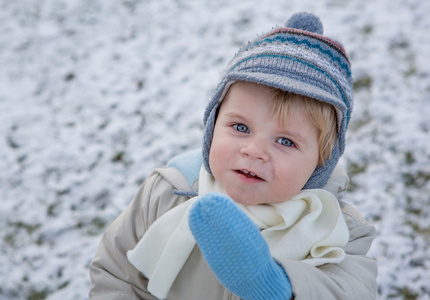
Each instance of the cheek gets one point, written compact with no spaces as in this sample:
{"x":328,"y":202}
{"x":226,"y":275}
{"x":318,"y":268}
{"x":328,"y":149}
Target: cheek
{"x":215,"y":154}
{"x":212,"y":159}
{"x":219,"y":145}
{"x":294,"y":176}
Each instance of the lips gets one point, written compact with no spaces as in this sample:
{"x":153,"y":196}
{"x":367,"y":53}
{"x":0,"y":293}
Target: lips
{"x":249,"y":174}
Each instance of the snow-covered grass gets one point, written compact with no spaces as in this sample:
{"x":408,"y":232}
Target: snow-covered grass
{"x":95,"y":94}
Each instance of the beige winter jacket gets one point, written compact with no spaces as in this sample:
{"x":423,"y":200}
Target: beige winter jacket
{"x":113,"y":277}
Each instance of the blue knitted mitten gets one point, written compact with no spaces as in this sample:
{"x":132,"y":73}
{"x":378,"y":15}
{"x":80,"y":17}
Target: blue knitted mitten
{"x":236,"y":251}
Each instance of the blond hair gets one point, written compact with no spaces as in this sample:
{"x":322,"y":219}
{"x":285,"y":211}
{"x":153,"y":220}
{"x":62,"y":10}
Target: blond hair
{"x":322,"y":115}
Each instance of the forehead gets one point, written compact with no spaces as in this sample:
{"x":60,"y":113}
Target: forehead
{"x":281,"y":103}
{"x":260,"y":90}
{"x":244,"y":87}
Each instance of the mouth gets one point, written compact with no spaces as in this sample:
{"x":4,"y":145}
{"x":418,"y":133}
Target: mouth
{"x":249,"y":174}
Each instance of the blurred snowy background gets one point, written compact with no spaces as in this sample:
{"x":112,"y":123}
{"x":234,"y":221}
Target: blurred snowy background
{"x":94,"y":94}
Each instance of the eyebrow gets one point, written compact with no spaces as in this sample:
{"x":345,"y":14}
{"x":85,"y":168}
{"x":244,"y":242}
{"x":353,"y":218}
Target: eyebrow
{"x":235,"y":115}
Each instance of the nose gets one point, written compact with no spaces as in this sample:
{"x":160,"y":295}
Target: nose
{"x":255,"y":148}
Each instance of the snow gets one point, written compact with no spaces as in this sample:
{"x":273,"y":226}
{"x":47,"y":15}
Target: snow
{"x":95,"y":94}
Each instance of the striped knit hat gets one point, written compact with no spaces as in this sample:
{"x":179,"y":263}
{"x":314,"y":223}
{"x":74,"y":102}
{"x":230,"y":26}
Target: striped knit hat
{"x":299,"y":59}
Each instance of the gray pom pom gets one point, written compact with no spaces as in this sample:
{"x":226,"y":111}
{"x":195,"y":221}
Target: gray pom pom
{"x":305,"y":21}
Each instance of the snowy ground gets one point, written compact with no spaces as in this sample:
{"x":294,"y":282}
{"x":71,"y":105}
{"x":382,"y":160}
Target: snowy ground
{"x":95,"y":94}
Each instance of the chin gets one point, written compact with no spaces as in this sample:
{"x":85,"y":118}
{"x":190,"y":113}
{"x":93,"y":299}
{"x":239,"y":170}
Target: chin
{"x":246,"y":201}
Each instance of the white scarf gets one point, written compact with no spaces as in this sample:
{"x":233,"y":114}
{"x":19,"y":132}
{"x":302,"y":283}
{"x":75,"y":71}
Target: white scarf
{"x":309,"y":227}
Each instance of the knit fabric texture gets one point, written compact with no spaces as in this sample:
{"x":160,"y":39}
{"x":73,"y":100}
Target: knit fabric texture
{"x":236,"y":251}
{"x":299,"y":59}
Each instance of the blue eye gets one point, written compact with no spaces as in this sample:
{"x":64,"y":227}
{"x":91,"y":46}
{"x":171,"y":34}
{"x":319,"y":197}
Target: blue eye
{"x":285,"y":142}
{"x":241,"y":128}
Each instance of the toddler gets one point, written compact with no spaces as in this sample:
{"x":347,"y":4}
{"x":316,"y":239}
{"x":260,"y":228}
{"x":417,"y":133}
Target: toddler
{"x":253,"y":214}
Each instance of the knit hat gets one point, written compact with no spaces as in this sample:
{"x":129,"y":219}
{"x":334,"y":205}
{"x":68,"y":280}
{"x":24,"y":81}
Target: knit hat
{"x":299,"y":59}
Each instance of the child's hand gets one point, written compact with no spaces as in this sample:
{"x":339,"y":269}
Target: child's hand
{"x":235,"y":250}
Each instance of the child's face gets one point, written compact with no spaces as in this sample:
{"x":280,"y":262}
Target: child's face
{"x":254,"y":159}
